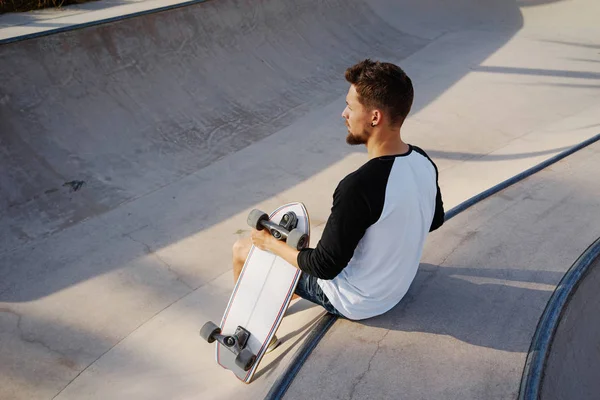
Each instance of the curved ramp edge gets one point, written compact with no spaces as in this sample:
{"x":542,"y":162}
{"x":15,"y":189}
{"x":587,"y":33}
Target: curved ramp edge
{"x":546,"y":331}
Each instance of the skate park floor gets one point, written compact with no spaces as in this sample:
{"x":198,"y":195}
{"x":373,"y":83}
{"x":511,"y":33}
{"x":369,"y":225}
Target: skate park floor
{"x":181,"y":121}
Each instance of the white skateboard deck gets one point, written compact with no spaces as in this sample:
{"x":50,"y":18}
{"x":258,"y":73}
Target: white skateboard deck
{"x":260,"y":298}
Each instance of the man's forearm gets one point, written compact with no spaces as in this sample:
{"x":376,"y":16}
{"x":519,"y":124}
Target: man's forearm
{"x":284,"y":251}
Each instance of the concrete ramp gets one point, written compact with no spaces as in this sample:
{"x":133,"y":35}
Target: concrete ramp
{"x":132,"y":106}
{"x":132,"y":151}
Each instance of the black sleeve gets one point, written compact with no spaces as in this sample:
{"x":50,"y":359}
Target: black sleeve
{"x":439,"y":214}
{"x":355,"y":208}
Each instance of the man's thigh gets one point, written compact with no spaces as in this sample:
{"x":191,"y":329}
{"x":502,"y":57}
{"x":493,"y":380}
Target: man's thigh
{"x":309,"y":289}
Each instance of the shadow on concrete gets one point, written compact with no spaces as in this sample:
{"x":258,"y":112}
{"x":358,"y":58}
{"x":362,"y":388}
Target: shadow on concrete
{"x":583,"y":60}
{"x":565,"y":85}
{"x":452,"y":302}
{"x":498,"y":299}
{"x":533,"y":3}
{"x":566,"y":43}
{"x":454,"y":155}
{"x":538,"y":72}
{"x":56,"y":347}
{"x":271,"y":365}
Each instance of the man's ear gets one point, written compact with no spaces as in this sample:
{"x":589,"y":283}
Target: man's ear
{"x":376,"y":118}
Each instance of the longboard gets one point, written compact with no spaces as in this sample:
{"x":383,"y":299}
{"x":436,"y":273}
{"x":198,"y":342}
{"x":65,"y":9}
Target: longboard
{"x":261,"y":295}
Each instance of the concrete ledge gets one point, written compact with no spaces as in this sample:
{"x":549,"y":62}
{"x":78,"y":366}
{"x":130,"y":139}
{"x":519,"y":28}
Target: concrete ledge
{"x":22,"y":26}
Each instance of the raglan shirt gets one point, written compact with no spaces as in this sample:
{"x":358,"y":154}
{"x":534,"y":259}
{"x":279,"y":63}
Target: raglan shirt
{"x":372,"y":243}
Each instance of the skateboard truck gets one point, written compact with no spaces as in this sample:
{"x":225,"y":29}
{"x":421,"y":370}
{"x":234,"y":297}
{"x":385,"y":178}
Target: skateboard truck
{"x":285,"y":230}
{"x":235,"y":343}
{"x":289,"y":221}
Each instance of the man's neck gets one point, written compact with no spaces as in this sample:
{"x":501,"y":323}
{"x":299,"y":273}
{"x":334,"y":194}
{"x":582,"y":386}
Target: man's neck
{"x":388,"y":147}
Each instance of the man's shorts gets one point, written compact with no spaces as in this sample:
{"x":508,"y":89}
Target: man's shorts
{"x":309,"y":289}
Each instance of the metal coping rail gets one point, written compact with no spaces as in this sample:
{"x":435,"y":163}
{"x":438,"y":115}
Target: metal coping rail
{"x":282,"y":384}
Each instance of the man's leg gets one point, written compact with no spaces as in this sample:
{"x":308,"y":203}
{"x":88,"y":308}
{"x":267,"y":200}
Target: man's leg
{"x":241,"y":248}
{"x":308,"y":288}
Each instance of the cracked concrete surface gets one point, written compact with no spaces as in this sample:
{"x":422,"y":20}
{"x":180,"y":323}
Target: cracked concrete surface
{"x":151,"y":252}
{"x":30,"y":337}
{"x":362,"y":376}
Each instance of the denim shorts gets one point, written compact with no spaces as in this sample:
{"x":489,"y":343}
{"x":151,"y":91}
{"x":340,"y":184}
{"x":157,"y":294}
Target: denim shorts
{"x":309,"y":289}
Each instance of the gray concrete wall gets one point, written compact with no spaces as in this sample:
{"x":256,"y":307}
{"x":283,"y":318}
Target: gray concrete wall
{"x":132,"y":106}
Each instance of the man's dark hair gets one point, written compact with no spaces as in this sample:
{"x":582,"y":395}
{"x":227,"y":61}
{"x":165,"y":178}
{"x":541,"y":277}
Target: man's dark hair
{"x":382,"y":85}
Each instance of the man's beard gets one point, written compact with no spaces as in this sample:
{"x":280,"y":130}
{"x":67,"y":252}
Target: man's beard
{"x":357,"y":139}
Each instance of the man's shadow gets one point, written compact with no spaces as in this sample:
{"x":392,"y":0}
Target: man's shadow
{"x":495,"y":308}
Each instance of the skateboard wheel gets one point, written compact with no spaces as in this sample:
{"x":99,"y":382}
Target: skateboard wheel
{"x":245,"y":359}
{"x":209,"y":330}
{"x":255,"y":218}
{"x":297,"y":239}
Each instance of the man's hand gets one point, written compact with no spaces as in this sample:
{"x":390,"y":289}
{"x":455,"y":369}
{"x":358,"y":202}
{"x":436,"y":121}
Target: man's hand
{"x":263,"y":239}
